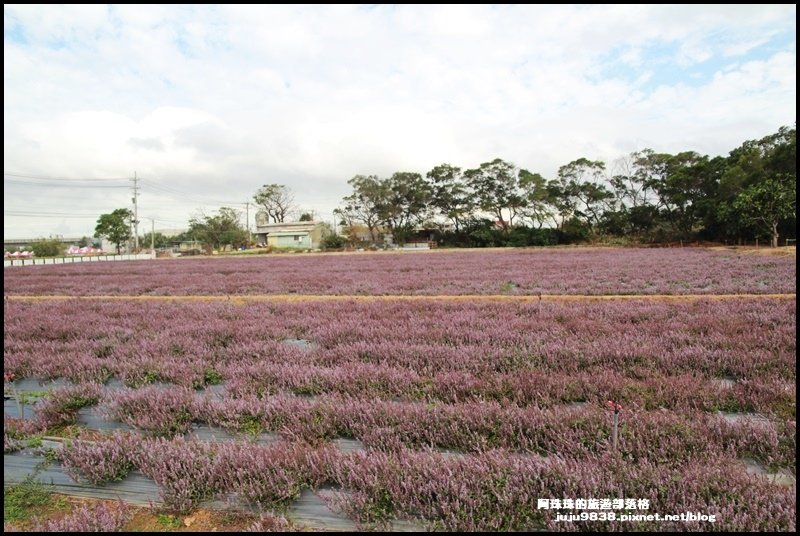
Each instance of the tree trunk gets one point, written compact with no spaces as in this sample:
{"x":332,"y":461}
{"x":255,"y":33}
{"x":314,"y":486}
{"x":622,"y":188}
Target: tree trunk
{"x":503,"y":222}
{"x":775,"y":234}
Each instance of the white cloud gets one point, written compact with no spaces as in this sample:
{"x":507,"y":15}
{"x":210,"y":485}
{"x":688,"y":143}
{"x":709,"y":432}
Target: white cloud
{"x":215,"y":101}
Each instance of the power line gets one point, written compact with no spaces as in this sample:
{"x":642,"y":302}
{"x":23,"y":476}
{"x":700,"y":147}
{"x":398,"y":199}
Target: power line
{"x":72,"y":182}
{"x":185,"y":199}
{"x":169,"y":221}
{"x":22,"y":214}
{"x":42,"y":177}
{"x":160,"y":187}
{"x":185,"y":195}
{"x":56,"y":185}
{"x":19,"y":198}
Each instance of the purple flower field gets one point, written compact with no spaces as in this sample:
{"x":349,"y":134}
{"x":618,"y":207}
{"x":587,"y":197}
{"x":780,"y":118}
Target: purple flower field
{"x":464,"y":413}
{"x":651,"y":354}
{"x":527,"y":272}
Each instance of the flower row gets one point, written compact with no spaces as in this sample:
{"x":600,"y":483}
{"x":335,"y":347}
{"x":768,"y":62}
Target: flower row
{"x":662,"y":436}
{"x":490,"y":491}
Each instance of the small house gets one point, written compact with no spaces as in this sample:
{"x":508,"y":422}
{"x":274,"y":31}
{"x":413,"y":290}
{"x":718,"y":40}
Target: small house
{"x":292,"y":235}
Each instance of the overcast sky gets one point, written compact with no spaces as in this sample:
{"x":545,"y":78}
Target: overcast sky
{"x":206,"y":104}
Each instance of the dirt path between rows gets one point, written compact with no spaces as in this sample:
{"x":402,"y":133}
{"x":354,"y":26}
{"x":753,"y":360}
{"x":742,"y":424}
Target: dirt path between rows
{"x":241,"y":298}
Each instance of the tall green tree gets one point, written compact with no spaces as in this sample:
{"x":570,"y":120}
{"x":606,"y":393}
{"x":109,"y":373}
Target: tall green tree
{"x":537,"y":202}
{"x":635,"y":176}
{"x":581,"y":191}
{"x":771,"y":159}
{"x":221,"y":229}
{"x":450,"y":195}
{"x":115,"y":227}
{"x":496,"y":189}
{"x":766,"y":203}
{"x":404,"y":204}
{"x":689,"y":177}
{"x":366,"y":203}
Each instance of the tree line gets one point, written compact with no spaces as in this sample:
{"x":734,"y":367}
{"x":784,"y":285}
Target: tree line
{"x":645,"y":196}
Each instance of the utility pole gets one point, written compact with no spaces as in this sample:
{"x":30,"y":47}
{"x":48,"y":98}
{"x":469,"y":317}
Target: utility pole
{"x":153,"y":235}
{"x":135,"y":200}
{"x":249,"y":236}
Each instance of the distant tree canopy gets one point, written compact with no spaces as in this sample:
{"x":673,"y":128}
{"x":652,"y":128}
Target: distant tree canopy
{"x":157,"y":239}
{"x":643,"y":197}
{"x":115,"y":227}
{"x":86,"y":241}
{"x":222,"y":229}
{"x":397,"y":203}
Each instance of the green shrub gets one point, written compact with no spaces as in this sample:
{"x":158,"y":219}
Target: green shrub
{"x":333,"y":241}
{"x":48,"y":247}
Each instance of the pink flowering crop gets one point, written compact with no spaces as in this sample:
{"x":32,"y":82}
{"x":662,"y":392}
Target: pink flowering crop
{"x":60,"y":407}
{"x":460,"y":413}
{"x":99,"y":462}
{"x":270,"y":477}
{"x":533,"y":271}
{"x":186,"y":471}
{"x":153,"y":410}
{"x":496,"y":490}
{"x":646,"y":354}
{"x":98,"y":518}
{"x":270,"y":523}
